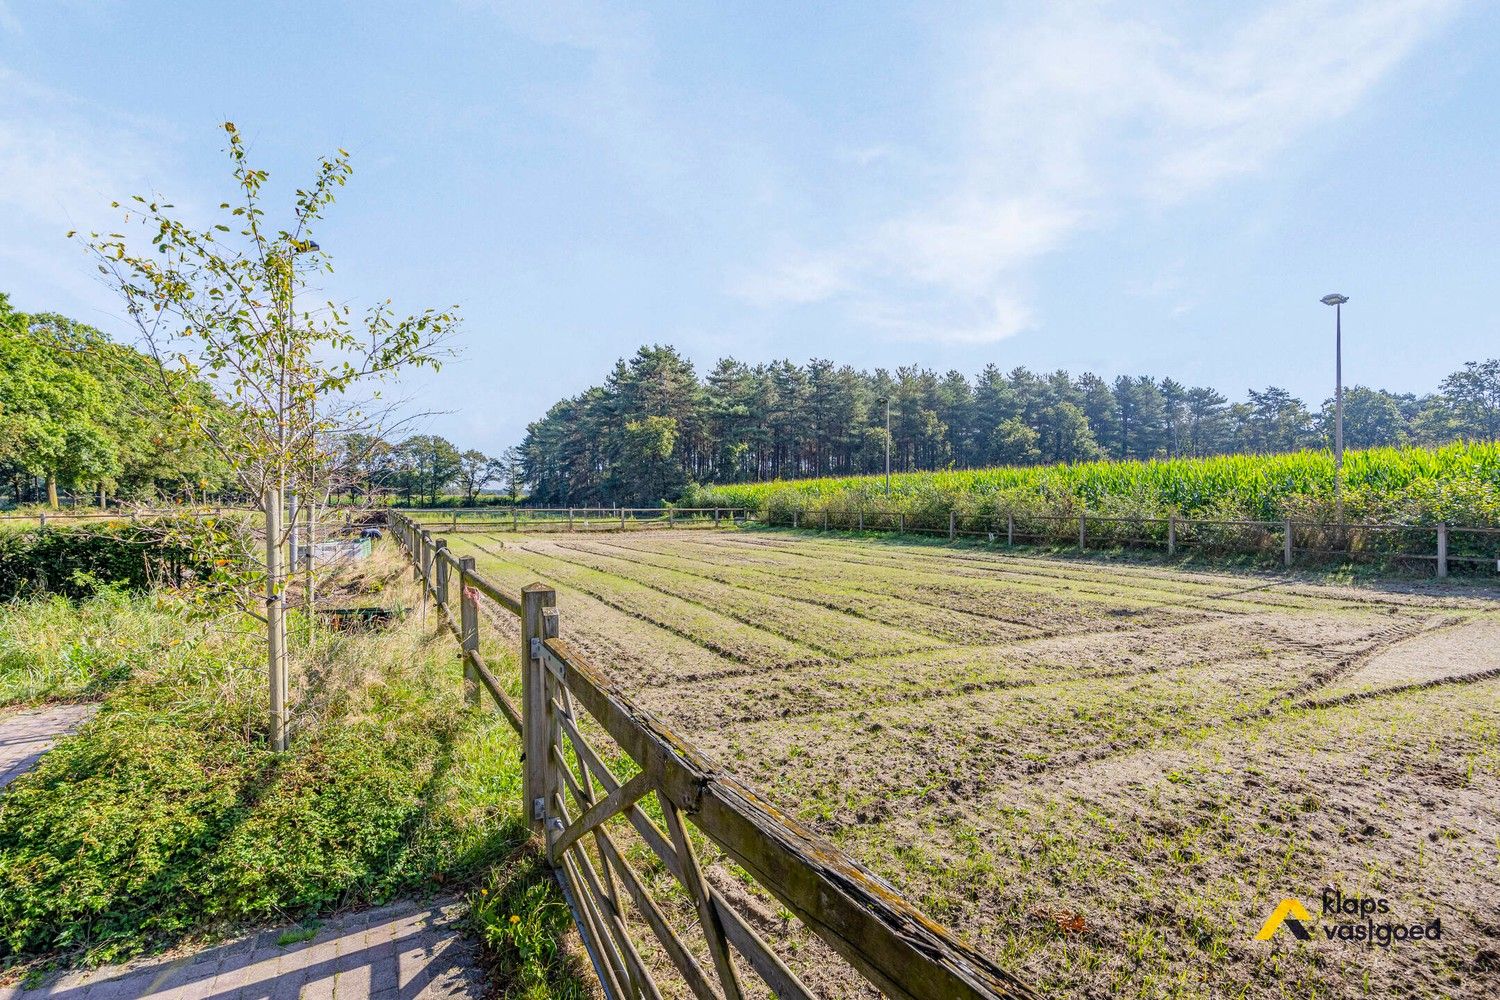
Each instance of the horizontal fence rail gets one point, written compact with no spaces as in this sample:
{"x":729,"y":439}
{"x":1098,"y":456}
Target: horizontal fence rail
{"x":1443,"y":545}
{"x":606,"y":785}
{"x":517,"y":519}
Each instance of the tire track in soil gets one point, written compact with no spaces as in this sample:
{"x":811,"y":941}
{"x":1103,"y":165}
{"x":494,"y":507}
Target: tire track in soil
{"x":753,"y":666}
{"x":911,"y":629}
{"x":1103,"y":573}
{"x":1387,"y":638}
{"x":1251,"y":632}
{"x":1353,"y":696}
{"x":823,"y":657}
{"x":1151,"y":598}
{"x":1378,"y":642}
{"x":938,"y":590}
{"x":951,"y":789}
{"x":1030,"y":570}
{"x":744,"y":618}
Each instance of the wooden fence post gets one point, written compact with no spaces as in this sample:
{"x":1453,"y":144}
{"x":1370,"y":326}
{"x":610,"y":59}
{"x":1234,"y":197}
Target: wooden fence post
{"x":570,"y":518}
{"x":455,"y":519}
{"x":535,"y":599}
{"x":515,"y":524}
{"x":622,"y":518}
{"x":952,"y":526}
{"x":1442,"y":548}
{"x":1083,"y":531}
{"x":441,"y":566}
{"x":716,"y":517}
{"x":901,"y":523}
{"x":861,"y":519}
{"x":794,"y":518}
{"x":671,"y":516}
{"x":1286,"y":541}
{"x":1171,"y":534}
{"x":468,"y":629}
{"x":1010,"y":529}
{"x":426,"y":563}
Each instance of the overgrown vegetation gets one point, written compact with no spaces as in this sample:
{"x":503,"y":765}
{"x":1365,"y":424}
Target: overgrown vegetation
{"x":523,"y":922}
{"x":167,"y":815}
{"x":1458,"y":483}
{"x":78,"y":558}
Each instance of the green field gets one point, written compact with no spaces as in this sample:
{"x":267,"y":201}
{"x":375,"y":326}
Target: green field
{"x":1105,"y":776}
{"x":1459,"y":483}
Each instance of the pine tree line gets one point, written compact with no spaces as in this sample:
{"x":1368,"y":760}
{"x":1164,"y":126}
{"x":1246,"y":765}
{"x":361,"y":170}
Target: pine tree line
{"x":654,"y":426}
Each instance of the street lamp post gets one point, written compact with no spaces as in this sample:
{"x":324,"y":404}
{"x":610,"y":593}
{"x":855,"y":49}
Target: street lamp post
{"x":1337,"y":301}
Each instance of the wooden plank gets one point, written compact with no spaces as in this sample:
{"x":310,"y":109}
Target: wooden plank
{"x":603,"y":809}
{"x":629,"y":966}
{"x":647,"y":907}
{"x":534,"y":715}
{"x":893,"y":944}
{"x":766,"y":963}
{"x":692,"y":878}
{"x":507,"y":707}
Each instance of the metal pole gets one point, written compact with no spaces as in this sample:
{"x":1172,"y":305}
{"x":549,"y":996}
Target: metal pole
{"x":1338,"y":411}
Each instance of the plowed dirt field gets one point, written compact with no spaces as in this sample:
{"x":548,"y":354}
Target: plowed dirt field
{"x":1104,"y":775}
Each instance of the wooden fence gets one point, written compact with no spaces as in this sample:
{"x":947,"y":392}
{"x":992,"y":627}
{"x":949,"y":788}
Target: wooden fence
{"x":1442,"y":545}
{"x":592,"y":761}
{"x":574,"y":518}
{"x":61,"y":516}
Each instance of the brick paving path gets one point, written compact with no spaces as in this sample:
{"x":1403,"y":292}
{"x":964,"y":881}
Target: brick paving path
{"x":26,"y":735}
{"x":407,"y":951}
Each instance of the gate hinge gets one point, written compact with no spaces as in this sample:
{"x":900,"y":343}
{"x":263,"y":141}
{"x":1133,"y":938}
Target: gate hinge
{"x":536,"y":648}
{"x":538,"y":808}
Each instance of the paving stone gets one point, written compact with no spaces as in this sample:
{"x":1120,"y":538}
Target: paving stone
{"x":26,"y":735}
{"x":408,"y":951}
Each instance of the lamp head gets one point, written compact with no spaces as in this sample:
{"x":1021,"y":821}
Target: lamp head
{"x":1334,"y":299}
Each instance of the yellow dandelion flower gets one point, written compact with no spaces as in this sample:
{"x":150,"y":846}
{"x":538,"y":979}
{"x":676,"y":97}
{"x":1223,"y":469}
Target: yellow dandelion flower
{"x":515,"y":919}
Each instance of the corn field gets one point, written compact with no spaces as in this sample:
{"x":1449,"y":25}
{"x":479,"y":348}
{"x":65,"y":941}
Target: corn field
{"x":1458,"y":482}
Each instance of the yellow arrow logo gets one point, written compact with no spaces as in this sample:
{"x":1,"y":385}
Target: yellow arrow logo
{"x":1291,"y":913}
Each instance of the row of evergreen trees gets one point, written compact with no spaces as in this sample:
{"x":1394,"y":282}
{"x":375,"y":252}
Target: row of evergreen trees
{"x":654,"y":425}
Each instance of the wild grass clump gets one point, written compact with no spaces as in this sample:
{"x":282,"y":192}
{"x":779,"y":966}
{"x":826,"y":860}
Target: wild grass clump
{"x":54,"y":649}
{"x":1459,"y":483}
{"x":524,"y":923}
{"x":167,"y":816}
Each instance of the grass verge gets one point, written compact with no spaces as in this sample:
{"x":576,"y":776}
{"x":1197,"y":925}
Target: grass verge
{"x":165,"y":819}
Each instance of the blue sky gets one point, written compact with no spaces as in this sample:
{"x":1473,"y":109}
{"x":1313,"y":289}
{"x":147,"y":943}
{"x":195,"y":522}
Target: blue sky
{"x":1161,"y":188}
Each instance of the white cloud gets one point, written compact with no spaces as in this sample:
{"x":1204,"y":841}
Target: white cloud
{"x":1074,"y":114}
{"x":61,"y":163}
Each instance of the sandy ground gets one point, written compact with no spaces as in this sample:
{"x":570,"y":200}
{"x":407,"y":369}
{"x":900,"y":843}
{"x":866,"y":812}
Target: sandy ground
{"x":1106,"y":775}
